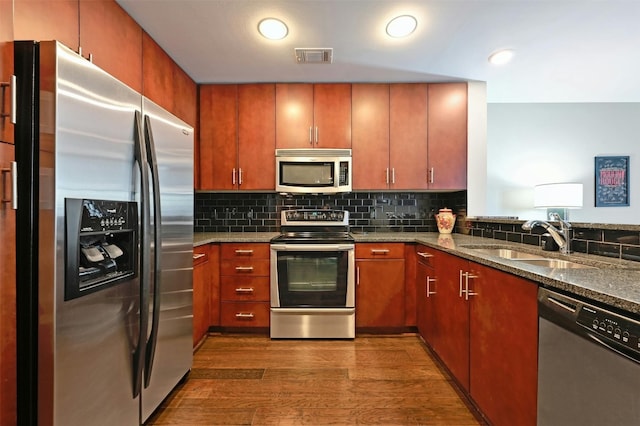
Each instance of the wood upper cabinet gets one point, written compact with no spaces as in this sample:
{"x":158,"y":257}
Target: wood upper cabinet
{"x":256,"y":137}
{"x":113,"y":39}
{"x":166,"y":84}
{"x":380,"y":291}
{"x":237,"y":137}
{"x":6,"y":69}
{"x":370,"y":135}
{"x":218,"y":136}
{"x":8,"y":401}
{"x":504,"y":346}
{"x":313,"y":115}
{"x":408,"y":136}
{"x":447,"y":135}
{"x":47,"y":20}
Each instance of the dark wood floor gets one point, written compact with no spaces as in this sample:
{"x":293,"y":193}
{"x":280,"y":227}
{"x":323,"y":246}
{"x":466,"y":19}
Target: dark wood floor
{"x":252,"y":380}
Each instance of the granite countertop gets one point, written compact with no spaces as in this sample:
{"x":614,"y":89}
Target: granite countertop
{"x":614,"y":282}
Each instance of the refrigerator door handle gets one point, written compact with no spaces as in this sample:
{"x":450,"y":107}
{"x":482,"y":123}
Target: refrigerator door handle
{"x":157,"y":246}
{"x":139,"y":356}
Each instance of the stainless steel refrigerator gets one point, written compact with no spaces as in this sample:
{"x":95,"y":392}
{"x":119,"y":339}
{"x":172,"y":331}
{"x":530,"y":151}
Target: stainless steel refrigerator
{"x":104,"y":244}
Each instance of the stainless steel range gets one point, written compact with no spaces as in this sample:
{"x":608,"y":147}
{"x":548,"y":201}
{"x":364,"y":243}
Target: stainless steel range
{"x":313,"y":276}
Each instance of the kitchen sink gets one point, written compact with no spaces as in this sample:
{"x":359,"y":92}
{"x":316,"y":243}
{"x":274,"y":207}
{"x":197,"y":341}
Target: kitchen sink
{"x":554,"y":263}
{"x":508,"y":253}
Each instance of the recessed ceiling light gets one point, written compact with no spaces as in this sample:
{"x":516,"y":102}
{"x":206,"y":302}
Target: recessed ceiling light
{"x":501,"y":57}
{"x":401,"y":26}
{"x":273,"y":29}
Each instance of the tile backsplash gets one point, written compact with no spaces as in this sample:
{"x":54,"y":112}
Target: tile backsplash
{"x":368,"y":211}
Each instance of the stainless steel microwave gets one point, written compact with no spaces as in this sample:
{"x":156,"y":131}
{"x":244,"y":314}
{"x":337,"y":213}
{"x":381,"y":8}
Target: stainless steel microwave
{"x":313,"y":171}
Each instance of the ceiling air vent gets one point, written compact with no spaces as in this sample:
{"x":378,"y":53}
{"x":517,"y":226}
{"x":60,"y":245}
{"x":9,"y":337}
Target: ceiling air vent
{"x":314,"y":55}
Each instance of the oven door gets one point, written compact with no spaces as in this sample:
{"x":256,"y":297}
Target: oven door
{"x":312,"y":275}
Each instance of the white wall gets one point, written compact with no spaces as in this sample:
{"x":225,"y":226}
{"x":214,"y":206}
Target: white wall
{"x":530,"y":144}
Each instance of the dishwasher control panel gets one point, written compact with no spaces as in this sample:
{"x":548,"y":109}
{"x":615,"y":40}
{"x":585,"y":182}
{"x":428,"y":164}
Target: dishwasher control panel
{"x":619,"y":329}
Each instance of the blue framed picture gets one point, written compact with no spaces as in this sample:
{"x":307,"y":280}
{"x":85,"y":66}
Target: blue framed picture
{"x":612,"y":181}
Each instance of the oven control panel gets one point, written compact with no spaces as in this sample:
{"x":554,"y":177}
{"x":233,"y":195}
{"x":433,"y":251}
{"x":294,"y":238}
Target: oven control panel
{"x":619,"y":329}
{"x":333,"y":217}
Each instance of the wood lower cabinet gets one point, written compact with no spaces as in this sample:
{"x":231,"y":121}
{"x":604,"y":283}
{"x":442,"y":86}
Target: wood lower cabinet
{"x":8,"y":401}
{"x":244,"y":285}
{"x":201,"y":293}
{"x":504,"y":346}
{"x":483,"y":324}
{"x":380,"y":292}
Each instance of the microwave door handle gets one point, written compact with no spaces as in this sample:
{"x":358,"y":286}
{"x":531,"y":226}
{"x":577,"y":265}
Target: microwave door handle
{"x":139,"y":350}
{"x":157,"y":250}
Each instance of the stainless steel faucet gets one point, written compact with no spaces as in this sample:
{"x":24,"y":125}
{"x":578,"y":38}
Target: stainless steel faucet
{"x":562,"y":237}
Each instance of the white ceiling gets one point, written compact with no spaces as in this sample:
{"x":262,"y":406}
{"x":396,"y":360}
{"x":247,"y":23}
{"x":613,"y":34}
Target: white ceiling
{"x":565,"y":50}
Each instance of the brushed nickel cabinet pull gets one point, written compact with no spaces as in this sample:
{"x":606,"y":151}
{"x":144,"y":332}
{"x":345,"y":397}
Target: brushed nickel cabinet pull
{"x":379,"y":251}
{"x":244,"y":315}
{"x":431,"y":173}
{"x":240,"y":176}
{"x":310,"y":135}
{"x":393,"y":175}
{"x":424,"y":254}
{"x":244,"y":290}
{"x":13,"y":172}
{"x":467,"y":291}
{"x":429,"y":281}
{"x":244,"y":251}
{"x":13,"y":105}
{"x":198,"y":255}
{"x":387,"y":176}
{"x":317,"y":135}
{"x":244,"y":268}
{"x":460,"y":282}
{"x":358,"y":275}
{"x":233,"y":176}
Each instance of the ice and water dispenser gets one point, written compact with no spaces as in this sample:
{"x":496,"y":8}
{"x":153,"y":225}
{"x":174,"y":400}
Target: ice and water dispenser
{"x":101,"y":244}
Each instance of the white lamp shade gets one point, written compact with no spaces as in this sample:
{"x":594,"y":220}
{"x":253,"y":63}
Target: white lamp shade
{"x":561,"y":195}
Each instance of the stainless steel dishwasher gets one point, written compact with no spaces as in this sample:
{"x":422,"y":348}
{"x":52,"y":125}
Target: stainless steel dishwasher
{"x":588,"y":364}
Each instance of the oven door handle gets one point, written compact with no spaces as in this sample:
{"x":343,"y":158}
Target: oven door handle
{"x":312,"y":247}
{"x":327,"y":311}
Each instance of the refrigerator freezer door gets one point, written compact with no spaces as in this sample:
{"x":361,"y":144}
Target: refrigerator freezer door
{"x":86,"y":151}
{"x":172,"y":346}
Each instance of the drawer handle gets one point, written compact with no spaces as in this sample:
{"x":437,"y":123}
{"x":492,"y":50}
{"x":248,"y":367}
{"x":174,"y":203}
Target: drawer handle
{"x":424,"y":254}
{"x":244,"y":268}
{"x":244,"y":290}
{"x":198,"y":255}
{"x":244,"y":315}
{"x":244,"y":251}
{"x":379,"y":251}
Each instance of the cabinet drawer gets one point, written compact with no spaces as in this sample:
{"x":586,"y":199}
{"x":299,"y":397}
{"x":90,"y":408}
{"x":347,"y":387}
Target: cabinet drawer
{"x":248,"y":267}
{"x":245,"y":251}
{"x":245,"y":314}
{"x":425,"y":255}
{"x":380,"y":251}
{"x":243,"y":288}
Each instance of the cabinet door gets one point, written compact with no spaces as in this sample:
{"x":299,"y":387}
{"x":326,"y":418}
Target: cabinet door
{"x":256,"y":136}
{"x":426,"y":293}
{"x":218,"y":136}
{"x":447,"y":129}
{"x":6,"y":68}
{"x":8,"y":378}
{"x":370,"y":135}
{"x":114,"y":40}
{"x":332,"y":115}
{"x":157,"y":79}
{"x":294,"y":115}
{"x":504,"y":342}
{"x":201,"y":293}
{"x":47,"y":20}
{"x":451,"y":340}
{"x":408,"y":136}
{"x":380,"y":293}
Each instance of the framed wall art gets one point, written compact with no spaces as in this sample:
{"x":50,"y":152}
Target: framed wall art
{"x":612,"y":181}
